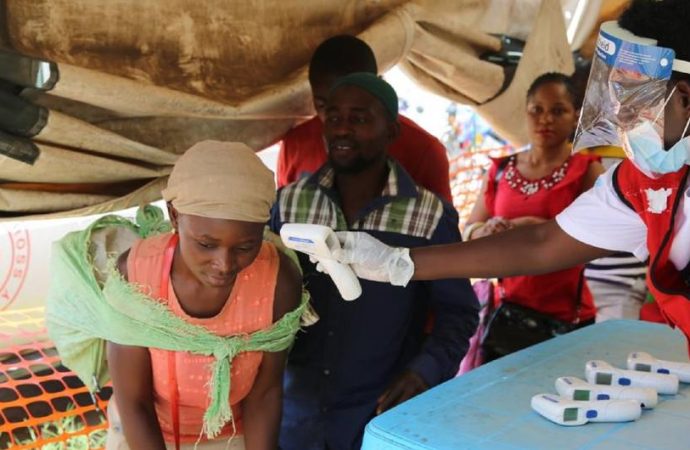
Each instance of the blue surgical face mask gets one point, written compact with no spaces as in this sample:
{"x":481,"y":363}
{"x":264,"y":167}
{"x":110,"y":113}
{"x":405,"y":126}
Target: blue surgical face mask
{"x":645,"y":149}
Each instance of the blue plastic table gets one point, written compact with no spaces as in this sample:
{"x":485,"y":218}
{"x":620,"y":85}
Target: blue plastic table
{"x":489,"y":407}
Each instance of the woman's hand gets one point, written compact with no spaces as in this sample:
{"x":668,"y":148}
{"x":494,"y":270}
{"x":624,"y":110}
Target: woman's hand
{"x":498,"y":224}
{"x":492,"y":226}
{"x":527,"y":220}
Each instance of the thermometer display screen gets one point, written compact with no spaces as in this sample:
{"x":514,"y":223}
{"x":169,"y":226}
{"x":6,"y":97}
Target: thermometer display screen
{"x":570,"y":414}
{"x":643,"y":367}
{"x":581,"y":394}
{"x":603,"y":378}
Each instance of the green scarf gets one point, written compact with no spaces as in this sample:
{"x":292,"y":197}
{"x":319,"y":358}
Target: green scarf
{"x":88,"y":306}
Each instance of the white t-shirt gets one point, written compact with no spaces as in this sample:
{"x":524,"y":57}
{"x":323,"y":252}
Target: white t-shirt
{"x":599,"y":218}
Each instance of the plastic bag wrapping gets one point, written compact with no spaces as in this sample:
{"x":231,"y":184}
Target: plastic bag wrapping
{"x":627,"y":86}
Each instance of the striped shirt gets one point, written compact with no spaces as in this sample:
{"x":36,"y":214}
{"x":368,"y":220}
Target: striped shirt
{"x":622,"y":269}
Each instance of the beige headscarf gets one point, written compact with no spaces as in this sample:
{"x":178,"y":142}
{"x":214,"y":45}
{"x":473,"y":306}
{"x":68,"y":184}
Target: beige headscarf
{"x":221,"y":180}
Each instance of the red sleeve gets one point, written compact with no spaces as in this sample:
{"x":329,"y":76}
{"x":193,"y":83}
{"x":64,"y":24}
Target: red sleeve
{"x":436,"y":173}
{"x":424,"y":157}
{"x":301,"y":152}
{"x":283,"y":167}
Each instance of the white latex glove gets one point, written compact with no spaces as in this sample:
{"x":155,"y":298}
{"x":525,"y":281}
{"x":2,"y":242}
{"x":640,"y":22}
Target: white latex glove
{"x":317,"y":265}
{"x":373,"y":260}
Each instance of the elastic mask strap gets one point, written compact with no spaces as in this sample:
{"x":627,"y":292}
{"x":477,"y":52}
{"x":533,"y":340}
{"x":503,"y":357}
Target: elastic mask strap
{"x":663,"y":107}
{"x":682,"y":136}
{"x":681,"y":66}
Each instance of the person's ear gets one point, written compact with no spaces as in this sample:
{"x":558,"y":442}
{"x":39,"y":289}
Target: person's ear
{"x":683,"y":89}
{"x":174,"y":216}
{"x":393,"y":130}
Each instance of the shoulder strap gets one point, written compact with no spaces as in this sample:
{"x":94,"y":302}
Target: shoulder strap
{"x":500,"y":168}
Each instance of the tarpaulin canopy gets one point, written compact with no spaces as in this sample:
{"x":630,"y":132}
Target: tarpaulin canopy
{"x":133,"y":83}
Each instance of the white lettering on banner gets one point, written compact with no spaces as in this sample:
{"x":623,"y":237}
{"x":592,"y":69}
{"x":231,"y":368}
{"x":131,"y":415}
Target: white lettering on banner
{"x":25,"y":253}
{"x":15,"y":248}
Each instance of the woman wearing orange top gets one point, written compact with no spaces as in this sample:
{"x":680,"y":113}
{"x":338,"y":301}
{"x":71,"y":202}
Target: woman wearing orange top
{"x":534,"y":186}
{"x":215,"y":271}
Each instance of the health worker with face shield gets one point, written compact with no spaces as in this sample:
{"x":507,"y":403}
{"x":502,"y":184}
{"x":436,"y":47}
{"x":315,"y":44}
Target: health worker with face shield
{"x":638,"y":97}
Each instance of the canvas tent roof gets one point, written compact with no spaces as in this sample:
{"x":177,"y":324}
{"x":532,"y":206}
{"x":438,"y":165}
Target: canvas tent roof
{"x":140,"y":81}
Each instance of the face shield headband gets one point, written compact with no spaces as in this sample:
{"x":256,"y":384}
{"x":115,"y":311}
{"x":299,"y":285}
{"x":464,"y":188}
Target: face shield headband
{"x":625,"y":98}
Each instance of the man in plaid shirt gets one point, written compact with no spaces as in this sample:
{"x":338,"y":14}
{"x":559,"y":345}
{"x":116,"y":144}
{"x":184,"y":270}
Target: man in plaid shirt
{"x":365,"y":356}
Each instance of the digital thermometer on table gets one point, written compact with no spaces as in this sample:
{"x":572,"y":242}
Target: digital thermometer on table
{"x":601,"y":372}
{"x":574,"y":388}
{"x":568,"y":412}
{"x":647,"y":363}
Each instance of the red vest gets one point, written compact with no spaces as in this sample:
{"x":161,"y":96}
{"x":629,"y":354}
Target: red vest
{"x":665,"y":282}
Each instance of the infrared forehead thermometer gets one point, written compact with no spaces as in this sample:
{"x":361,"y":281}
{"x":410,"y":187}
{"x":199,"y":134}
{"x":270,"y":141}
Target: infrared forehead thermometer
{"x":601,"y":372}
{"x":647,"y":363}
{"x":574,"y":388}
{"x":568,"y":412}
{"x":320,"y":242}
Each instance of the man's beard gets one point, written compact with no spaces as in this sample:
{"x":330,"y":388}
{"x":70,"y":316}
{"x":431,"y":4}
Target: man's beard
{"x":353,"y":167}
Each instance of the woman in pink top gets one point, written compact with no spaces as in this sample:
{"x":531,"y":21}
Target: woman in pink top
{"x":215,"y":271}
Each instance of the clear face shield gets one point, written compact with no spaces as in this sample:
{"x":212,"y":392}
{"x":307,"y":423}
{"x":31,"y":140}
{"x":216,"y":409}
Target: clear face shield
{"x":625,"y":100}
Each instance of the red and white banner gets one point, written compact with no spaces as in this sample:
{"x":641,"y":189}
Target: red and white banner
{"x":25,"y":249}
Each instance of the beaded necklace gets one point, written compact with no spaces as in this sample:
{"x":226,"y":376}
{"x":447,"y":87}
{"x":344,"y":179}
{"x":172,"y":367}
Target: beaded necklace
{"x":530,"y":187}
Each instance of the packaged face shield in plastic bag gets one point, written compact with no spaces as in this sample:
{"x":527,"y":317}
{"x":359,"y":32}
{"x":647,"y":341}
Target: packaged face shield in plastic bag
{"x":625,"y":99}
{"x":627,"y":85}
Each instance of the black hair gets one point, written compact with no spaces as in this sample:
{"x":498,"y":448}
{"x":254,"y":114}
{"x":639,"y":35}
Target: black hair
{"x":664,"y":20}
{"x":341,"y":55}
{"x":559,"y":78}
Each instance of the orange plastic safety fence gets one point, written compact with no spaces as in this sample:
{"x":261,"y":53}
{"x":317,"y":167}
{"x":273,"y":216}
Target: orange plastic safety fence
{"x":43,"y":405}
{"x":466,"y":172}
